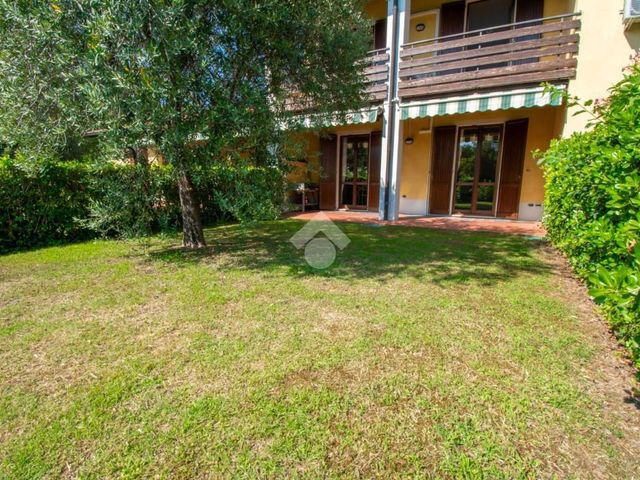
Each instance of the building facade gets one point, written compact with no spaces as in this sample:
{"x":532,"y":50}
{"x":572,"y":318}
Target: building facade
{"x":458,"y":108}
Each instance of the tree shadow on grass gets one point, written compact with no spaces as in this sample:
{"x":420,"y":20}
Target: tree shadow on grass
{"x":630,"y":397}
{"x":376,"y":252}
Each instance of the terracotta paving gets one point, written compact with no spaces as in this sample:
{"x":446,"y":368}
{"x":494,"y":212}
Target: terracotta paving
{"x":516,"y":227}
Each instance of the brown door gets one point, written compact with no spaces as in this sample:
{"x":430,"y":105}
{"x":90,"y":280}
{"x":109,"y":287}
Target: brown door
{"x":328,"y":165}
{"x":452,"y":18}
{"x":444,"y":144}
{"x":514,"y":149}
{"x":375,"y":154}
{"x":380,"y":34}
{"x":354,"y":171}
{"x":529,"y":10}
{"x":451,"y":23}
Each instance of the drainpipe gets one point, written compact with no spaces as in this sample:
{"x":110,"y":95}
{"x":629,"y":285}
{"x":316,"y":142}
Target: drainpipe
{"x":394,"y":56}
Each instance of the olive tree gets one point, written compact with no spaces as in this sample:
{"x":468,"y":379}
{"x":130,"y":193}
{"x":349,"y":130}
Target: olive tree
{"x":199,"y":79}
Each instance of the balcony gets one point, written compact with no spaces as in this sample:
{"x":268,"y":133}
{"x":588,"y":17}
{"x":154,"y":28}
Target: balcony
{"x":376,"y":73}
{"x":375,"y":67}
{"x":518,"y":54}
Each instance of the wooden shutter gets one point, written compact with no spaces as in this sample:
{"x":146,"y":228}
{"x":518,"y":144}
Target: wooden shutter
{"x":444,"y":145}
{"x":329,"y":169}
{"x":375,"y":154}
{"x":513,"y":152}
{"x":451,"y":23}
{"x":452,"y":18}
{"x":529,"y":10}
{"x":380,"y":34}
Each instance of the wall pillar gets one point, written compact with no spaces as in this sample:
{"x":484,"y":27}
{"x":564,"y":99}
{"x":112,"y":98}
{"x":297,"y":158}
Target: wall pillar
{"x":398,"y":17}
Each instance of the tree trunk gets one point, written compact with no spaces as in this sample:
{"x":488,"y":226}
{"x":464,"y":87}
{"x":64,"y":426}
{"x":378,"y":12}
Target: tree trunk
{"x":192,"y":233}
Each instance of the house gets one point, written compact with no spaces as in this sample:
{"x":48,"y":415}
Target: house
{"x":457,"y":107}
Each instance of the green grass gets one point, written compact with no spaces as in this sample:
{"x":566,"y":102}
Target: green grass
{"x":419,"y":353}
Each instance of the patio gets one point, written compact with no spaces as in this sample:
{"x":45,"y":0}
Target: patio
{"x":492,"y":225}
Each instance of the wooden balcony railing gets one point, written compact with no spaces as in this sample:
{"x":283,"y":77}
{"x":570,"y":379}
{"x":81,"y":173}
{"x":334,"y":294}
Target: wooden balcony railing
{"x":377,"y":74}
{"x":531,"y":52}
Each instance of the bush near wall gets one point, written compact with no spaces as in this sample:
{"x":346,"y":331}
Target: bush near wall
{"x":53,"y":201}
{"x":592,"y":205}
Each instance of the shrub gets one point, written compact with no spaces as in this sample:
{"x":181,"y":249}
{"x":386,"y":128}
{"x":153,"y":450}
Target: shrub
{"x":41,"y":202}
{"x":132,"y":200}
{"x":240,"y":192}
{"x":592,"y":205}
{"x":48,"y":201}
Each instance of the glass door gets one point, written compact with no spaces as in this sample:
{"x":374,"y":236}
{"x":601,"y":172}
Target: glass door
{"x":354,"y":185}
{"x":476,"y":172}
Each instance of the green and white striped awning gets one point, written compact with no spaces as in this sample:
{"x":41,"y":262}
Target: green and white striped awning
{"x":367,"y":115}
{"x":484,"y":102}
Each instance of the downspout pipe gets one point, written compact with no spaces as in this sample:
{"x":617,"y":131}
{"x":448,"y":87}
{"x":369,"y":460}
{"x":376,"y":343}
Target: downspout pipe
{"x":393,"y":100}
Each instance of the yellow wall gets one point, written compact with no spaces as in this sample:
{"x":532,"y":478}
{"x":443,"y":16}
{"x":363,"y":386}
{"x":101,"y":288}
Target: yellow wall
{"x":430,"y":21}
{"x":376,"y":9}
{"x":420,"y":5}
{"x":605,"y":50}
{"x":416,"y":162}
{"x":558,"y":7}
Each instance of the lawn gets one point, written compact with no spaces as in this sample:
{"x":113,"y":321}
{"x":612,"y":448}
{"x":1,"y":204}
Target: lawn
{"x":419,"y":353}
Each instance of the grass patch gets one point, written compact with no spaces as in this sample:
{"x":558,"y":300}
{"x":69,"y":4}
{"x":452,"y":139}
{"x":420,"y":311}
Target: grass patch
{"x":418,"y":353}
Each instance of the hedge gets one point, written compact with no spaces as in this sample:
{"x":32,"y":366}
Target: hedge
{"x":51,"y":201}
{"x":592,"y":205}
{"x":131,"y":200}
{"x":40,"y":203}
